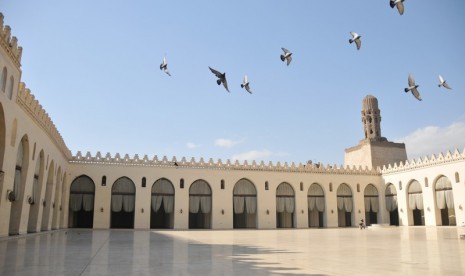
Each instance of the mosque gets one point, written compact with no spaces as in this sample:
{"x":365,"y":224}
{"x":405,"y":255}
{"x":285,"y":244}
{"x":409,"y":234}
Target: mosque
{"x":43,"y":186}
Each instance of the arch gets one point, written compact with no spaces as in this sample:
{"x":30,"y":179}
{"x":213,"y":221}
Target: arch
{"x":391,"y":204}
{"x":3,"y":79}
{"x":162,"y":211}
{"x":344,"y":205}
{"x":245,"y":204}
{"x":19,"y":184}
{"x":285,"y":206}
{"x":200,"y":205}
{"x":36,"y":194}
{"x":14,"y":128}
{"x":415,"y":202}
{"x":316,"y":205}
{"x":47,"y":200}
{"x":2,"y":149}
{"x":81,"y":202}
{"x":444,"y":196}
{"x":123,"y":202}
{"x":10,"y":87}
{"x":371,"y":197}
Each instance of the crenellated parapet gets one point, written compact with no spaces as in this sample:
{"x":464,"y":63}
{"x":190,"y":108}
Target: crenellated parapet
{"x":424,"y":162}
{"x":34,"y":109}
{"x":136,"y":160}
{"x":9,"y":43}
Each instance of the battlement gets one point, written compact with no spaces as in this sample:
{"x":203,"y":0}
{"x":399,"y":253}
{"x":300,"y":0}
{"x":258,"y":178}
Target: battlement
{"x":9,"y":43}
{"x":108,"y":159}
{"x":35,"y":110}
{"x":425,"y":162}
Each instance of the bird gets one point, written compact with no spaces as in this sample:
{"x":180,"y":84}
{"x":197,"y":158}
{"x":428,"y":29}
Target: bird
{"x":399,"y":4}
{"x":413,"y":87}
{"x":287,"y":56}
{"x":221,"y":78}
{"x":246,"y":84}
{"x":442,"y":82}
{"x":164,"y":66}
{"x":356,"y":38}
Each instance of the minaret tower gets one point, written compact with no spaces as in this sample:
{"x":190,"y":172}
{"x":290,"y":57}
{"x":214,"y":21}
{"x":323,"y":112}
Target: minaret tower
{"x":371,"y":118}
{"x":374,"y":151}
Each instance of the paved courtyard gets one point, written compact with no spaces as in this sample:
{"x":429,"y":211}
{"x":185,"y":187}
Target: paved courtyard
{"x":350,"y":251}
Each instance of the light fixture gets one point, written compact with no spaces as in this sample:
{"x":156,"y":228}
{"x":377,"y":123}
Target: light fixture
{"x":101,"y":209}
{"x":222,"y":211}
{"x":267,"y":211}
{"x":10,"y":195}
{"x":180,"y":211}
{"x":142,"y":210}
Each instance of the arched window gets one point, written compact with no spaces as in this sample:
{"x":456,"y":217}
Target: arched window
{"x":222,"y":184}
{"x":10,"y":87}
{"x":457,"y":177}
{"x":3,"y":80}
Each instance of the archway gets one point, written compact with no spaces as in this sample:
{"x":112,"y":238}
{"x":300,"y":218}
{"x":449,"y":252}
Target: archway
{"x":123,"y":202}
{"x":285,"y":206}
{"x":391,"y":204}
{"x":81,"y":203}
{"x":36,"y":194}
{"x":344,"y":205}
{"x":316,"y":205}
{"x":445,"y":200}
{"x":200,"y":205}
{"x":245,"y":204}
{"x":371,"y":204}
{"x":19,"y":184}
{"x":56,"y":204}
{"x":2,"y":149}
{"x":415,"y":202}
{"x":47,"y":201}
{"x":162,"y":211}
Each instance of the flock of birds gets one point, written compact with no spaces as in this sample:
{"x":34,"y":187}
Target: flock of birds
{"x":287,"y":57}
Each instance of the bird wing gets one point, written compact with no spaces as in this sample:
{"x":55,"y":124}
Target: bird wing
{"x":400,"y":7}
{"x":354,"y":34}
{"x":411,"y":81}
{"x":416,"y":94}
{"x":245,"y":79}
{"x":289,"y":59}
{"x":225,"y":84}
{"x":285,"y":50}
{"x":218,"y":74}
{"x":441,"y":79}
{"x":167,"y":72}
{"x":164,"y":60}
{"x":446,"y":85}
{"x":359,"y":43}
{"x":248,"y":88}
{"x":392,"y":3}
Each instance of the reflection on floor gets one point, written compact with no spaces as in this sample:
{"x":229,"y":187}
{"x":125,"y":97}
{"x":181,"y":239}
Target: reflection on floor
{"x":348,"y":251}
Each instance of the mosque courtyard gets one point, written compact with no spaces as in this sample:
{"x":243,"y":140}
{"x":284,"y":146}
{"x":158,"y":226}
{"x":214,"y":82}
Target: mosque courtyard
{"x":346,"y":251}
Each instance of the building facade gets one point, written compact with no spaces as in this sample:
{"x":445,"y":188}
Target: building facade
{"x":44,"y":187}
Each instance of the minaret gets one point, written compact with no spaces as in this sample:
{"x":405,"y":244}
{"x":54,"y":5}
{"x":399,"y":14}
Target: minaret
{"x":373,"y":151}
{"x":371,"y":118}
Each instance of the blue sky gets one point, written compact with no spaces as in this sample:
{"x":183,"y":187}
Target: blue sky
{"x":94,"y":66}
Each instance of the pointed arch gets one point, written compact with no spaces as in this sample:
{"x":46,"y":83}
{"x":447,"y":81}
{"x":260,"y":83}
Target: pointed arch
{"x":316,"y":205}
{"x":32,"y":225}
{"x":3,"y":79}
{"x":162,"y":211}
{"x":371,"y":198}
{"x":444,"y":198}
{"x":415,"y":202}
{"x":2,"y":148}
{"x":344,"y":205}
{"x":244,"y":204}
{"x":81,"y":202}
{"x":391,"y":204}
{"x":11,"y":84}
{"x":200,"y":205}
{"x":123,"y":197}
{"x":47,"y":199}
{"x":285,"y":206}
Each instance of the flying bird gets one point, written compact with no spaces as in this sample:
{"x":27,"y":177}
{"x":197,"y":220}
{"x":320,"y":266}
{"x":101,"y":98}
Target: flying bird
{"x":413,"y":87}
{"x":399,"y":4}
{"x":164,"y":66}
{"x":356,"y":38}
{"x":246,"y":84}
{"x":442,"y":82}
{"x":221,"y":78}
{"x":287,"y":56}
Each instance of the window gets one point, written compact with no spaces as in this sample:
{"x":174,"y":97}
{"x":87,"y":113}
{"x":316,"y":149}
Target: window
{"x":144,"y":181}
{"x":301,"y":186}
{"x":10,"y":88}
{"x":330,"y":187}
{"x":457,"y":178}
{"x":426,"y":182}
{"x":222,"y":184}
{"x":181,"y":183}
{"x":3,"y":80}
{"x":358,"y":188}
{"x":104,"y":180}
{"x":400,"y":185}
{"x":266,"y":186}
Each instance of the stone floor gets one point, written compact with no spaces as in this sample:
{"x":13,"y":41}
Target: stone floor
{"x":350,"y":251}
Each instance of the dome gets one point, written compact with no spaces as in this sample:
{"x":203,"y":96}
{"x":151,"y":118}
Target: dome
{"x":370,"y":102}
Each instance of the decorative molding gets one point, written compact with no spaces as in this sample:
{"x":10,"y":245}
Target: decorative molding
{"x":34,"y":109}
{"x":424,"y":162}
{"x":108,"y":159}
{"x":10,"y":44}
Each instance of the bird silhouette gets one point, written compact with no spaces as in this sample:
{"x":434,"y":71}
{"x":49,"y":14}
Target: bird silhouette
{"x":413,"y":87}
{"x":164,"y":66}
{"x":287,"y":56}
{"x":221,"y":78}
{"x":245,"y":84}
{"x":356,"y":38}
{"x":399,"y":4}
{"x":442,"y":82}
